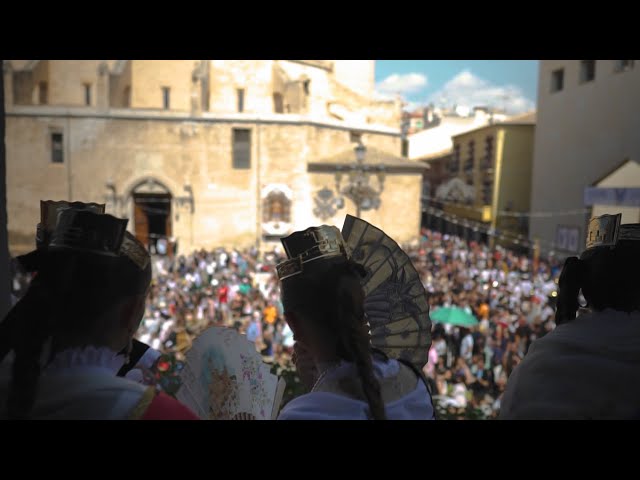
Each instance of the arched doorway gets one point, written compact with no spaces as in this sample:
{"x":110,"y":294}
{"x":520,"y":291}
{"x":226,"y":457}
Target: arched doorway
{"x":152,"y":202}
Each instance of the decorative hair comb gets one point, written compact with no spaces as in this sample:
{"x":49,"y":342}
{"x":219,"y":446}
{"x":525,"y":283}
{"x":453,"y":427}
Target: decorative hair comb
{"x":83,"y":230}
{"x":607,"y":231}
{"x":603,"y":231}
{"x":311,"y":244}
{"x":134,"y":249}
{"x":629,"y":231}
{"x":49,"y":211}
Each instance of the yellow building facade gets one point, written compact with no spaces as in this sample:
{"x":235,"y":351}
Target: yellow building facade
{"x":490,"y":176}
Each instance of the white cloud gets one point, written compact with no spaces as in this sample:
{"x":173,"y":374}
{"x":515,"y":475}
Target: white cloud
{"x":383,"y":96}
{"x":402,"y":84}
{"x":469,"y":90}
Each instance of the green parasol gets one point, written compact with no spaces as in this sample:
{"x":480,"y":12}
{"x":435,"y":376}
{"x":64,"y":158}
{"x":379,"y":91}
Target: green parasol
{"x":454,"y":316}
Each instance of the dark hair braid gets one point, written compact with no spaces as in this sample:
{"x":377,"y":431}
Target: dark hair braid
{"x":32,"y":332}
{"x":569,"y":286}
{"x":30,"y":324}
{"x":329,"y":294}
{"x":354,"y":340}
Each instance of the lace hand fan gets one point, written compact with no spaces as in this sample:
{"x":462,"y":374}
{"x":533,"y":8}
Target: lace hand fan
{"x":224,"y":378}
{"x":396,"y":302}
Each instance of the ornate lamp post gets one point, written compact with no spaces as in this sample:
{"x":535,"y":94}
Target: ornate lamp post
{"x":358,"y":188}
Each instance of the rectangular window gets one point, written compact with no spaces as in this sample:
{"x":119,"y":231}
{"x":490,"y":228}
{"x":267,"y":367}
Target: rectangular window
{"x":468,"y":166}
{"x":587,"y":71}
{"x":455,"y":162}
{"x":405,"y":147}
{"x":87,"y":94}
{"x":126,"y":97}
{"x":623,"y":65}
{"x":355,"y":137}
{"x":487,"y":191}
{"x":557,"y":80}
{"x":43,"y":93}
{"x":166,"y":98}
{"x":278,"y":103}
{"x":240,"y":92}
{"x":204,"y":94}
{"x":57,"y":148}
{"x":241,"y":148}
{"x":488,"y":153}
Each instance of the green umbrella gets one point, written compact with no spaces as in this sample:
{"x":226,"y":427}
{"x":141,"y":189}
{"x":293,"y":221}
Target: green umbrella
{"x":454,"y":316}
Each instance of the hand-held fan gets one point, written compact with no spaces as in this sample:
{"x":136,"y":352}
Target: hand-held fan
{"x":224,"y":378}
{"x":396,"y":302}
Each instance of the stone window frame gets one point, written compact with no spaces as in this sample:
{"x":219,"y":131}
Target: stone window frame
{"x":235,"y":163}
{"x":557,"y":80}
{"x":166,"y":98}
{"x":88,"y":97}
{"x":240,"y":99}
{"x":51,"y":131}
{"x":620,"y":66}
{"x":587,"y":71}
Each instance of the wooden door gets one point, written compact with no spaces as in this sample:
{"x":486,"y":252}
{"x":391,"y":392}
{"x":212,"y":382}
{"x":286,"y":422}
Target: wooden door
{"x":167,"y":230}
{"x":141,"y":223}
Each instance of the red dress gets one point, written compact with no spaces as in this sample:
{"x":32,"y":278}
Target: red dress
{"x":160,"y":406}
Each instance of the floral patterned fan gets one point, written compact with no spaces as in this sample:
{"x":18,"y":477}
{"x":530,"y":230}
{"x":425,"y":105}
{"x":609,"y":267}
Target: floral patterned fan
{"x":224,"y":378}
{"x":396,"y":302}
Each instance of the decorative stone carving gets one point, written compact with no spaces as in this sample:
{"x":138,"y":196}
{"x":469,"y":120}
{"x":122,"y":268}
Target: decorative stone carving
{"x":327,"y":204}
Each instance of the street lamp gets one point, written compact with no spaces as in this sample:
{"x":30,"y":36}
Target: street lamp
{"x":358,"y":187}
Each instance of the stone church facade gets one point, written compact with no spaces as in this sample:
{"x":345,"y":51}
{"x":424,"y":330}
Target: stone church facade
{"x":204,"y":152}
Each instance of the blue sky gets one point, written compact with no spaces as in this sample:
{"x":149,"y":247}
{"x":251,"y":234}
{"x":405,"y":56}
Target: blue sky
{"x":503,"y":84}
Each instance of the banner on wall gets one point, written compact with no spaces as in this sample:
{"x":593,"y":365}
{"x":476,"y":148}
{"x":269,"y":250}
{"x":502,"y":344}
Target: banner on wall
{"x":627,"y":197}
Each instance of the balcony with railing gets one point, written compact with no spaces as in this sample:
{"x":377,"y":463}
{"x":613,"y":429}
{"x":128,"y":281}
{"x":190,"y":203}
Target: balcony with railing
{"x":487,"y":160}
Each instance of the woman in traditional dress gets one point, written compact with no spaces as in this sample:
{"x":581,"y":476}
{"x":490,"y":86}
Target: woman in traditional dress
{"x":62,"y":343}
{"x":334,"y":321}
{"x":589,"y":366}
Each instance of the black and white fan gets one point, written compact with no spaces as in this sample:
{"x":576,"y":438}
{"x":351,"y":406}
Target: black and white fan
{"x":396,"y":302}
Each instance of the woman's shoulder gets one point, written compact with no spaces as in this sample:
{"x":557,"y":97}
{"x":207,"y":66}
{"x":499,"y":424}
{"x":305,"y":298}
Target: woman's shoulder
{"x":323,"y":406}
{"x":404,"y":393}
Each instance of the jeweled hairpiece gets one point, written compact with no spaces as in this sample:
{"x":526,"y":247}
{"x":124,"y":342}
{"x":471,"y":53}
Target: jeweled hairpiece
{"x":134,"y":249}
{"x":603,"y":231}
{"x":607,"y":231}
{"x":629,"y":231}
{"x":314,"y":243}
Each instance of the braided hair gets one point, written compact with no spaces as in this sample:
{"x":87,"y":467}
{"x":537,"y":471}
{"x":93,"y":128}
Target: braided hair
{"x":65,"y":301}
{"x":608,"y":278}
{"x":330,"y":296}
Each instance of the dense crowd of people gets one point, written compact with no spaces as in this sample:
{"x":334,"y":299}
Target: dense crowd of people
{"x":512,"y":298}
{"x":218,"y":288}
